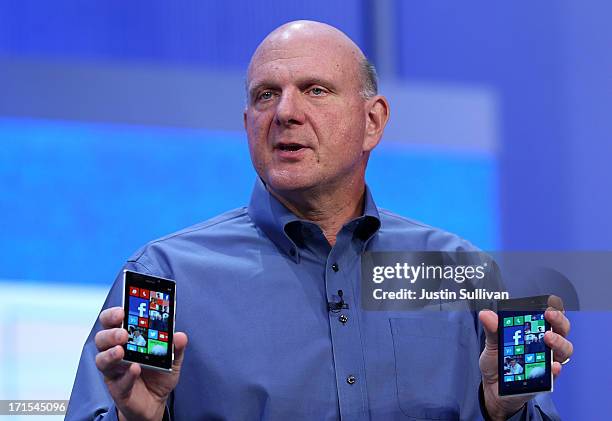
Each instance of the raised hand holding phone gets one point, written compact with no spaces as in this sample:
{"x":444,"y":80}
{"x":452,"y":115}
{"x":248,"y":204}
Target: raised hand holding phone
{"x":138,"y":393}
{"x":501,"y":407}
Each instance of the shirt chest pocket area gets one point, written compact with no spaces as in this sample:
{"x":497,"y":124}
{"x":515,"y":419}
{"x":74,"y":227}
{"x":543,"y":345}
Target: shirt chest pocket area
{"x":431,"y":366}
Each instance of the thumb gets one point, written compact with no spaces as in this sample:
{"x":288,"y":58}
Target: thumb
{"x":180,"y":344}
{"x":488,"y":319}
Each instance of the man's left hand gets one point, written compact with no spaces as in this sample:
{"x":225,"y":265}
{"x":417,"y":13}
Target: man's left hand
{"x":501,"y":408}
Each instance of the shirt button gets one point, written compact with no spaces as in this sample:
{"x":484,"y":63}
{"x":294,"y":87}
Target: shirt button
{"x":343,"y":318}
{"x":335,"y":267}
{"x":351,"y":379}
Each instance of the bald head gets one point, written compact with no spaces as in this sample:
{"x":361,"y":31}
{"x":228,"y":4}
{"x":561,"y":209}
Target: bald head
{"x":317,"y":38}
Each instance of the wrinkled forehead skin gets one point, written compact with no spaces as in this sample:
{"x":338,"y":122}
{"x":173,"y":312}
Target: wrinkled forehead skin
{"x":307,"y":44}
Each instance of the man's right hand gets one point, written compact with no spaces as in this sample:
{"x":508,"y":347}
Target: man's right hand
{"x":138,"y":394}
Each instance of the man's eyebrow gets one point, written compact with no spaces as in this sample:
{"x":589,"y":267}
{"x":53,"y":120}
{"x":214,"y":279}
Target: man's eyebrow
{"x":309,"y":81}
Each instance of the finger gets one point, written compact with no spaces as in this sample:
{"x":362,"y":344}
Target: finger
{"x":488,"y":319}
{"x":556,"y":302}
{"x":124,"y":383}
{"x":180,"y":344}
{"x":558,"y":321}
{"x":561,"y":347}
{"x":556,"y":369}
{"x":111,"y":317}
{"x":110,"y":362}
{"x":108,"y":338}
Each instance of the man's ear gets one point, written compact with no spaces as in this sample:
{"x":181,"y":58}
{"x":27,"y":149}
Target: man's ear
{"x":377,"y":115}
{"x":244,"y":118}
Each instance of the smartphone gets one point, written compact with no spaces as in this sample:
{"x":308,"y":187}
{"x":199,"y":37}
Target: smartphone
{"x":524,"y":360}
{"x":149,"y":304}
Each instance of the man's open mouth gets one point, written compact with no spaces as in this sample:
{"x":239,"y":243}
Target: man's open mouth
{"x":291,"y":147}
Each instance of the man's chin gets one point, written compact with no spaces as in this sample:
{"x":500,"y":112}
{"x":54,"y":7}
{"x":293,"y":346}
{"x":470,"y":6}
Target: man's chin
{"x":287,"y":183}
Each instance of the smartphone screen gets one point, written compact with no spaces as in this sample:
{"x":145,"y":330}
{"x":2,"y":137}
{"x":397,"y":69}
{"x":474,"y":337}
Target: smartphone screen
{"x":524,"y":360}
{"x":149,"y":307}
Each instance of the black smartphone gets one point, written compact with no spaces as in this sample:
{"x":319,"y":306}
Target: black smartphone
{"x":149,"y":304}
{"x":524,"y":360}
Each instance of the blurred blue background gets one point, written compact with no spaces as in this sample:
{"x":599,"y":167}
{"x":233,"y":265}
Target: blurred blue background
{"x":122,"y":121}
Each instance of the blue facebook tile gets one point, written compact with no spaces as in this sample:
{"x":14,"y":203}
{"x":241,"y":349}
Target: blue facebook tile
{"x":513,"y":336}
{"x":139,"y":307}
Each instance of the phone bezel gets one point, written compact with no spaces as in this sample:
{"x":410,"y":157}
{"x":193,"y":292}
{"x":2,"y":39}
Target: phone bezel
{"x":145,"y":362}
{"x":522,"y":306}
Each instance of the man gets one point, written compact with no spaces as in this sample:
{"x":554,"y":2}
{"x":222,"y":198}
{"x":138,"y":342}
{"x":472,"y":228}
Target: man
{"x":515,"y":368}
{"x":253,"y":284}
{"x":138,"y":339}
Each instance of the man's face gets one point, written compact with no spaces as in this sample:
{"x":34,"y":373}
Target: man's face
{"x":305,"y":117}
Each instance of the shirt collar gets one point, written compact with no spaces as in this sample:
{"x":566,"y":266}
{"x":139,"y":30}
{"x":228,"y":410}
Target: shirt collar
{"x":278,"y":222}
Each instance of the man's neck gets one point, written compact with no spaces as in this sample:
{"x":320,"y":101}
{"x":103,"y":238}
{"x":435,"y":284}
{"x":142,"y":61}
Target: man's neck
{"x":329,"y":209}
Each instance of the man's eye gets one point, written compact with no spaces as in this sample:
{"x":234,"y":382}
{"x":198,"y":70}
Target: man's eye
{"x":317,"y":91}
{"x":265,"y":95}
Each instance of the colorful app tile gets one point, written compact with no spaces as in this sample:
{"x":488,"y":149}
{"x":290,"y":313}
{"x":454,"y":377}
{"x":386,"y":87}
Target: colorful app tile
{"x":529,"y":358}
{"x":528,"y":318}
{"x":533,"y":347}
{"x":167,"y":298}
{"x":508,"y":350}
{"x":518,"y":320}
{"x":163,"y":336}
{"x":158,"y":348}
{"x":519,"y":377}
{"x":508,"y":321}
{"x":519,"y":349}
{"x":140,"y":338}
{"x":143,"y":322}
{"x":508,"y":378}
{"x":513,"y":336}
{"x":152,"y":334}
{"x":131,"y":347}
{"x":132,"y":319}
{"x":142,"y":349}
{"x":144,"y":293}
{"x":135,"y":292}
{"x":533,"y":371}
{"x":540,"y":356}
{"x":138,"y":307}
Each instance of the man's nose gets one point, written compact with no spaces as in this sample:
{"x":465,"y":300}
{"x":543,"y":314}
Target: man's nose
{"x":289,"y":109}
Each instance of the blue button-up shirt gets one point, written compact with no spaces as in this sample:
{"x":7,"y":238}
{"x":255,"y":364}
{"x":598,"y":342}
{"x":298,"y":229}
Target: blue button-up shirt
{"x":253,"y":287}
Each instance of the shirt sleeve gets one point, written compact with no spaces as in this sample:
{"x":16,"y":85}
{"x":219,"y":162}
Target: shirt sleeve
{"x":90,"y":399}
